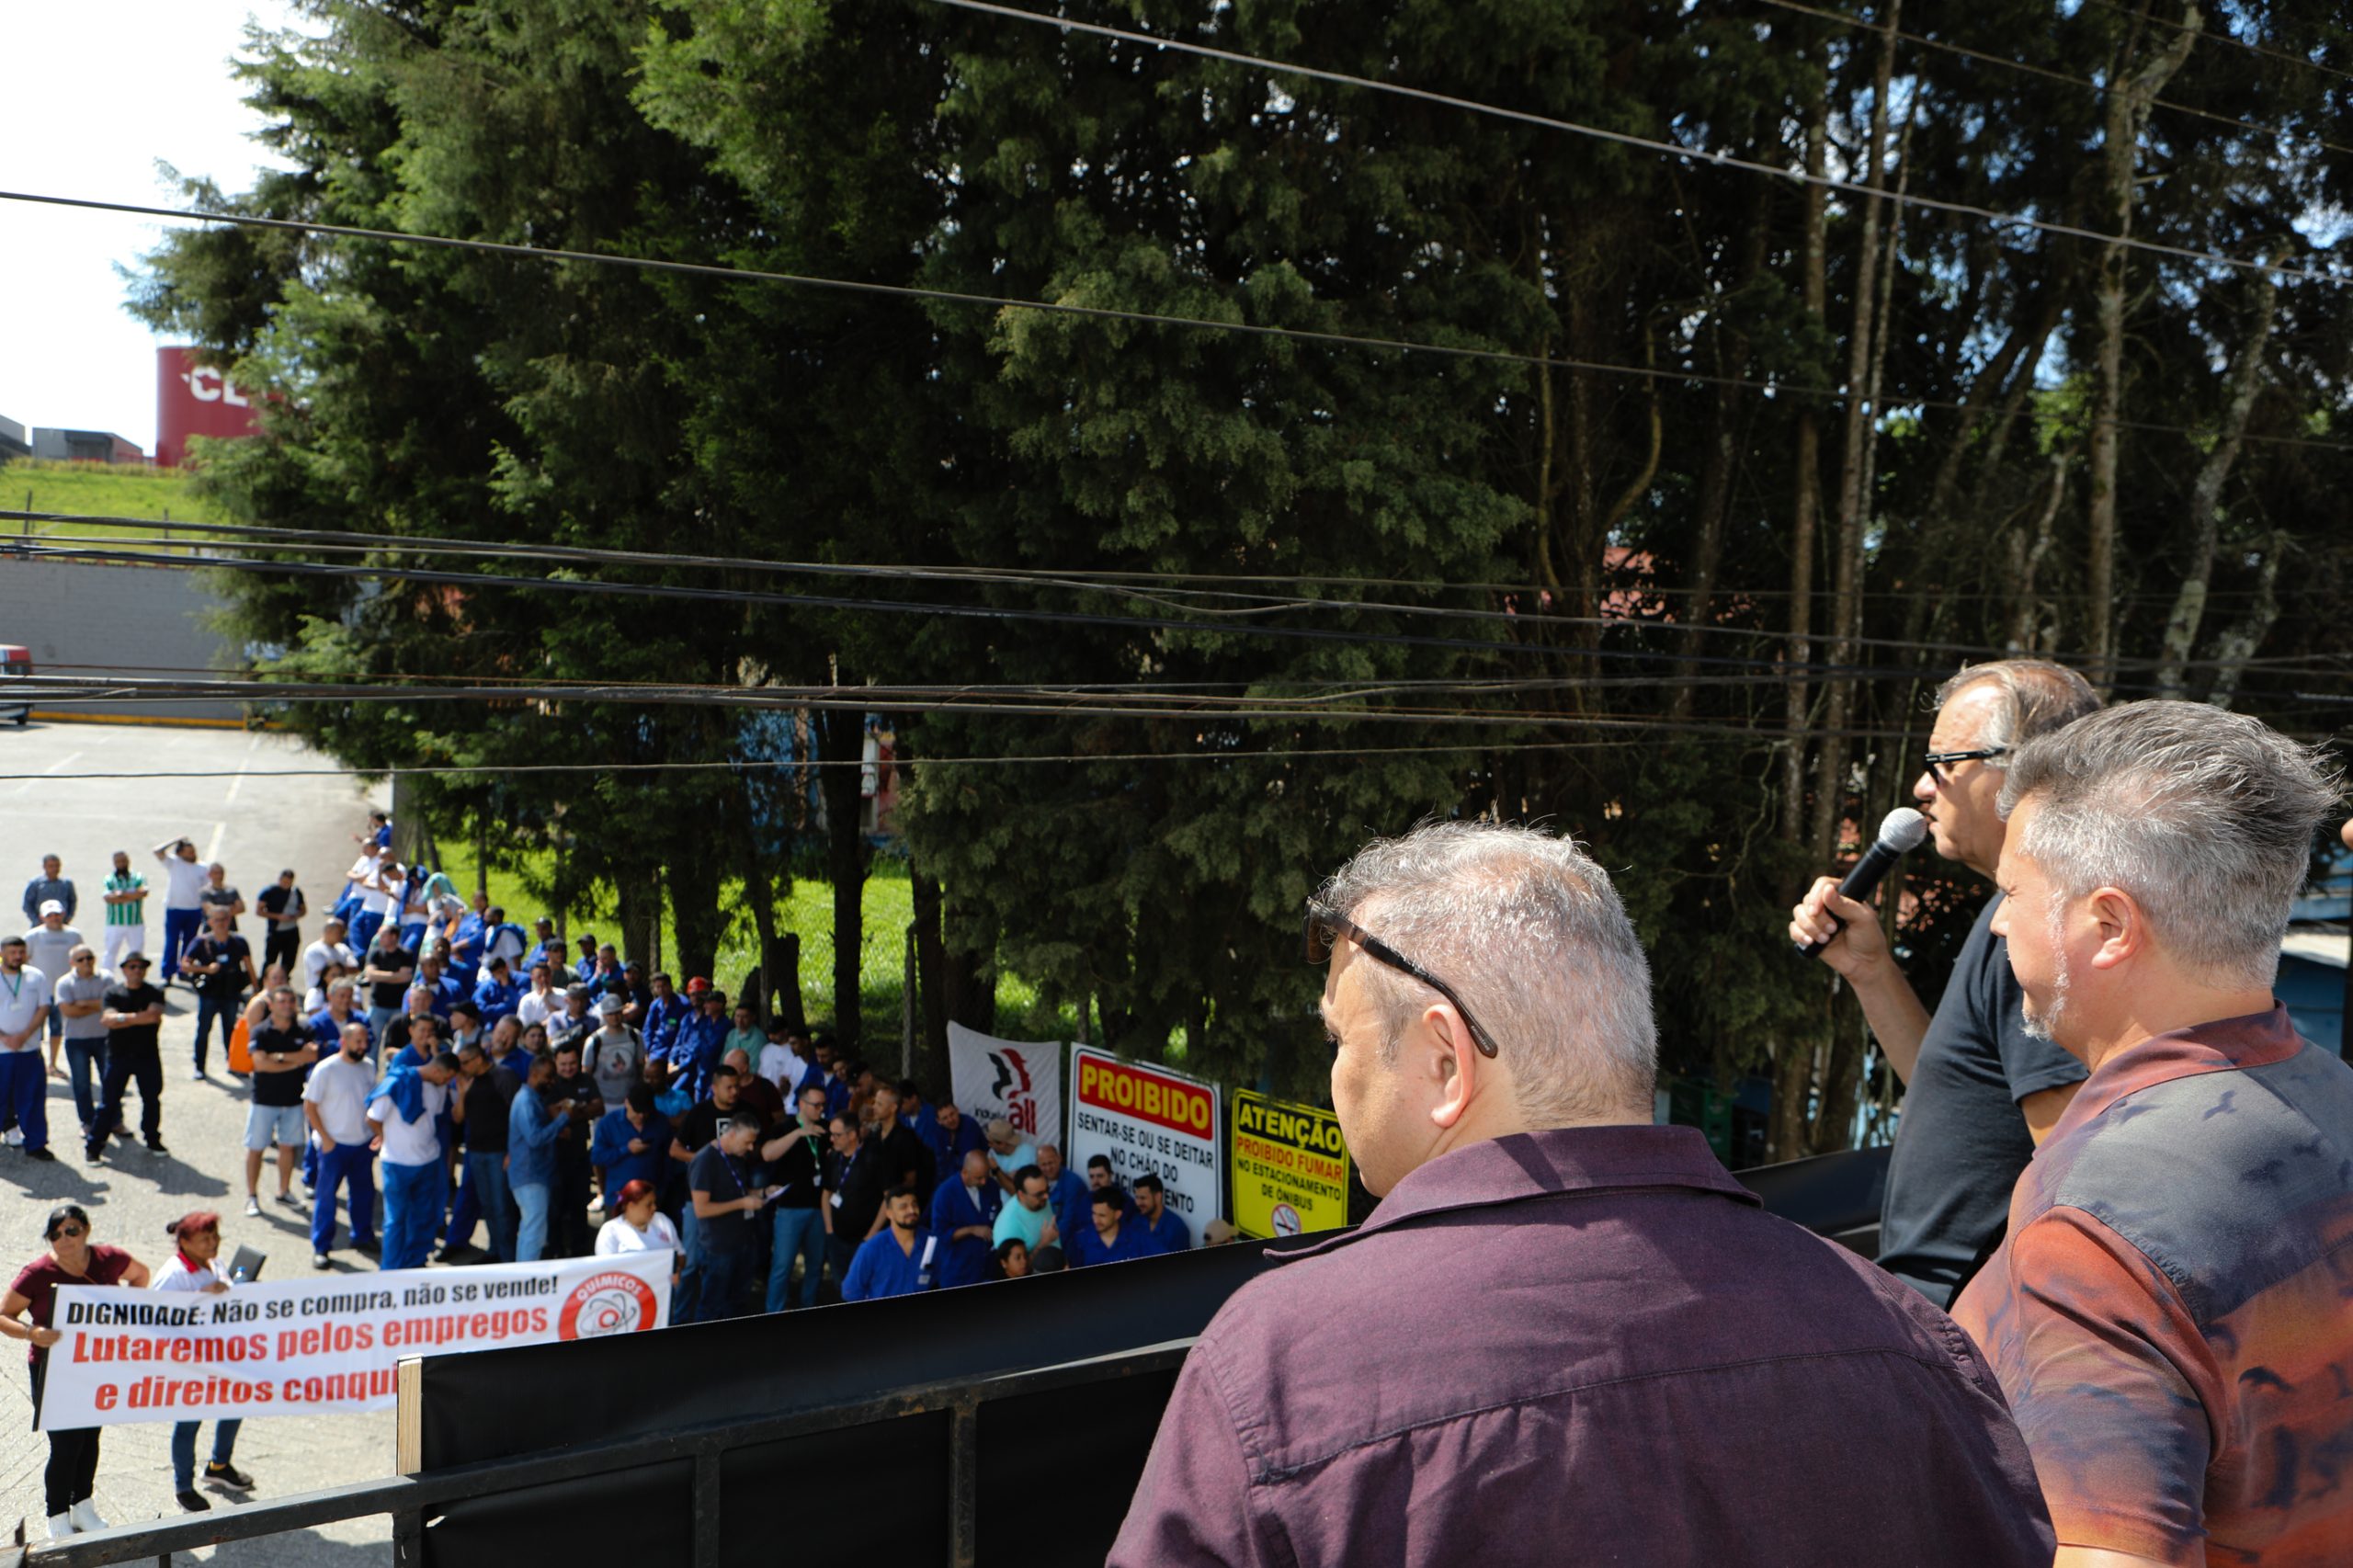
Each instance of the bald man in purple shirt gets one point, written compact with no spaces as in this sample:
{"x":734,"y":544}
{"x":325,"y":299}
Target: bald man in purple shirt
{"x":1565,"y":1335}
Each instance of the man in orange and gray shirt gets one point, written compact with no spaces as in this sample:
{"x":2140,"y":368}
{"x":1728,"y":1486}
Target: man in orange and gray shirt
{"x":2171,"y":1314}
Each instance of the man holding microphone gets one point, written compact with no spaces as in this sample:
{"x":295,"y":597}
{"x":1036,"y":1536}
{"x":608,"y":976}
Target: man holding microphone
{"x":1980,"y":1091}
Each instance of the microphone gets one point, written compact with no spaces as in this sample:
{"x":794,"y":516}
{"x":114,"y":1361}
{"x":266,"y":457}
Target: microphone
{"x":1900,"y":829}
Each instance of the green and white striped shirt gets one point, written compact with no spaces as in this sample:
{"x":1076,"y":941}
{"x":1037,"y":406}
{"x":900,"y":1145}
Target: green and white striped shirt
{"x":131,"y":912}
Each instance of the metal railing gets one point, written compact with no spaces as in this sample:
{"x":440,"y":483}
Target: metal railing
{"x":412,"y":1500}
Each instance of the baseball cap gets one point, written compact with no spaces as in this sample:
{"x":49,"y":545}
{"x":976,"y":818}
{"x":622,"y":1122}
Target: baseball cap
{"x":608,"y":1004}
{"x":51,"y":907}
{"x":696,"y":987}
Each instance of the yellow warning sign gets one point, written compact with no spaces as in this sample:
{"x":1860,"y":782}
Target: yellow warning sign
{"x":1290,"y":1169}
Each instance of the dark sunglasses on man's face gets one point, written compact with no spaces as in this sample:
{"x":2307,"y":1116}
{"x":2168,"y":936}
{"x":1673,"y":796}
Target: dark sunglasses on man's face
{"x":1936,"y":762}
{"x":1327,"y":927}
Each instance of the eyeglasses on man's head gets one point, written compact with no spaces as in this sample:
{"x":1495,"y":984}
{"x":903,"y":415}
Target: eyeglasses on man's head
{"x":1327,"y":927}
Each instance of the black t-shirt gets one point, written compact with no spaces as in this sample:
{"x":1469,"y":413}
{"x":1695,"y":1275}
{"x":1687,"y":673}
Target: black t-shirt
{"x":1961,"y":1140}
{"x":488,"y":1099}
{"x":280,"y":1088}
{"x":724,"y":1178}
{"x":858,"y":1182}
{"x":391,"y":992}
{"x":587,"y":1106}
{"x":904,"y":1158}
{"x":233,"y":955}
{"x":701,"y":1124}
{"x":133,"y":999}
{"x":800,"y":1170}
{"x":274,"y":900}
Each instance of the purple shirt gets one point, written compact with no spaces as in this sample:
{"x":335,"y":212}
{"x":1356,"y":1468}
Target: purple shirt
{"x":1586,"y":1344}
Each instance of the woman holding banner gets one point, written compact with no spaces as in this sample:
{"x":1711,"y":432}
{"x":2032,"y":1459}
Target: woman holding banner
{"x":25,"y":1314}
{"x":191,"y":1269}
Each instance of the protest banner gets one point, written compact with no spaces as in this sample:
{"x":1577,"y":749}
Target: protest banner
{"x":1020,"y":1081}
{"x":1290,"y":1169}
{"x":1148,"y":1119}
{"x":309,"y":1347}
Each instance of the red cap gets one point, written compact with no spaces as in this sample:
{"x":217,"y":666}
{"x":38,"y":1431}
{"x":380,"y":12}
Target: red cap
{"x":696,"y":984}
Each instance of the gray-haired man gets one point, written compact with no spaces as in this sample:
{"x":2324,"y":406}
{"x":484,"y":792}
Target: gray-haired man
{"x":2167,"y":1312}
{"x":1565,"y":1334}
{"x":1980,"y":1090}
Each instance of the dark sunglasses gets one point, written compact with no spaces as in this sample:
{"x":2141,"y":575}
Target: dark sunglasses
{"x":1326,"y":928}
{"x":69,"y":1231}
{"x":1936,"y":762}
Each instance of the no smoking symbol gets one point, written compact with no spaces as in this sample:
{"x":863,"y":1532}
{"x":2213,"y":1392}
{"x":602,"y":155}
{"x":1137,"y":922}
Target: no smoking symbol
{"x":1287,"y":1221}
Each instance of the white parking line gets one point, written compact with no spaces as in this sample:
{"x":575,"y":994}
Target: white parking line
{"x":213,"y":847}
{"x":250,"y":746}
{"x":70,"y":757}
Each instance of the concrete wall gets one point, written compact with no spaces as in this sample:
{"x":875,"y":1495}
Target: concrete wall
{"x":87,"y":619}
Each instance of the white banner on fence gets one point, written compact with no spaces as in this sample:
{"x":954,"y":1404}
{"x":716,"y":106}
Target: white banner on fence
{"x":1018,"y":1080}
{"x":1148,"y":1119}
{"x":321,"y":1345}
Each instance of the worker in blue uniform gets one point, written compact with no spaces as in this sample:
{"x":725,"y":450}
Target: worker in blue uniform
{"x":901,"y":1259}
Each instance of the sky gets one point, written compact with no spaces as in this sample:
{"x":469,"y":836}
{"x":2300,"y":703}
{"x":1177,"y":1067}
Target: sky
{"x":94,"y":97}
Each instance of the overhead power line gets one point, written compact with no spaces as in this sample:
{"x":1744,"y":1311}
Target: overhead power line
{"x":1106,"y":582}
{"x":1100,"y":313}
{"x":2027,"y":68}
{"x":1648,"y":144}
{"x":2224,"y":38}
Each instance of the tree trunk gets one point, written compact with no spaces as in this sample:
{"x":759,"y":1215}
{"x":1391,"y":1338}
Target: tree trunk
{"x":2206,"y":494}
{"x":1854,"y":502}
{"x":2026,"y":559}
{"x":2129,"y":101}
{"x":636,"y":904}
{"x":2236,"y":646}
{"x":841,"y":736}
{"x":931,"y":964}
{"x":1805,"y":508}
{"x":695,"y":913}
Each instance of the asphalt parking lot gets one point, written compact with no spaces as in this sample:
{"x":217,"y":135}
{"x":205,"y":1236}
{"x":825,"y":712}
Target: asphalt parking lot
{"x":266,"y":809}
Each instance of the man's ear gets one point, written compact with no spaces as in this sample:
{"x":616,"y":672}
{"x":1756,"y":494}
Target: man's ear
{"x":1453,"y":1062}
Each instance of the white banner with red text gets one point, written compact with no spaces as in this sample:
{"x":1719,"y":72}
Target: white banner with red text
{"x":327,"y":1344}
{"x":1020,"y":1081}
{"x":1149,"y":1118}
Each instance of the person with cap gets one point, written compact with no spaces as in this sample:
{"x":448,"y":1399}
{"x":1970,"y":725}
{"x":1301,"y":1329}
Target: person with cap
{"x":636,"y":994}
{"x":664,"y":1009}
{"x":548,"y":949}
{"x":70,"y":1483}
{"x":574,"y":1022}
{"x":24,"y":1086}
{"x":126,"y":903}
{"x":698,"y":1047}
{"x":49,"y":948}
{"x":584,"y":970}
{"x":52,"y":884}
{"x":614,"y":1056}
{"x":496,"y":995}
{"x":133,"y":1016}
{"x":194,"y":1266}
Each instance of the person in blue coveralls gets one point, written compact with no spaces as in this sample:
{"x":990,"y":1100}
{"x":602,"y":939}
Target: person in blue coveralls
{"x":1071,"y":1199}
{"x":1167,"y":1231}
{"x":901,"y":1259}
{"x":1113,"y":1237}
{"x":631,"y":1142}
{"x":953,"y":1136}
{"x":963,"y":1216}
{"x":497,"y":995}
{"x":701,"y":1040}
{"x":406,"y":1105}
